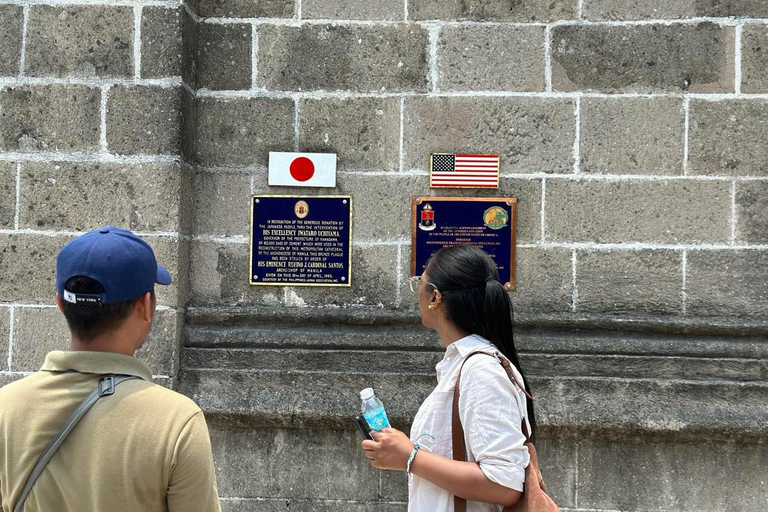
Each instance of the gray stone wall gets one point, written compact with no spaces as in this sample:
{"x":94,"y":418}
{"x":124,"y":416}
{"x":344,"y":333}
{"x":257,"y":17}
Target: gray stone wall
{"x":630,"y":132}
{"x":90,"y":134}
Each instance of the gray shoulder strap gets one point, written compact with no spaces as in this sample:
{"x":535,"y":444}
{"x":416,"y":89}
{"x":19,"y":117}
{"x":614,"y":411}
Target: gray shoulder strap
{"x":106,"y":387}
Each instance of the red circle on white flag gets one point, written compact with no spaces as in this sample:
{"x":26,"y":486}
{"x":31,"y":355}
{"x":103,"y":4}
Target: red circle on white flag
{"x":302,"y":169}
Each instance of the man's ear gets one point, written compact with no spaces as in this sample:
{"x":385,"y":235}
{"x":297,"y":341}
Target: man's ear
{"x":60,"y":303}
{"x":144,"y":307}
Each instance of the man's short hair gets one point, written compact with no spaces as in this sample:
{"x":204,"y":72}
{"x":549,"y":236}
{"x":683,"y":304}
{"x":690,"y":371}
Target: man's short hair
{"x":89,"y":321}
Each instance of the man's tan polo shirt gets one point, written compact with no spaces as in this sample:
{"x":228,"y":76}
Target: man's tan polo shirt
{"x":143,"y":449}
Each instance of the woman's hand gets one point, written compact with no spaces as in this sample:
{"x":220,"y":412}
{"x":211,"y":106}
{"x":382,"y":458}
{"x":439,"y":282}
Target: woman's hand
{"x":390,"y":450}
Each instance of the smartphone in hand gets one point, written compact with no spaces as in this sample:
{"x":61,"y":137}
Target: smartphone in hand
{"x":364,"y":428}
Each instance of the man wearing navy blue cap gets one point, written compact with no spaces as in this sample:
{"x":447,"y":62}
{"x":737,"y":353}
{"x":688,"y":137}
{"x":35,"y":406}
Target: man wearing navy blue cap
{"x":140,"y":446}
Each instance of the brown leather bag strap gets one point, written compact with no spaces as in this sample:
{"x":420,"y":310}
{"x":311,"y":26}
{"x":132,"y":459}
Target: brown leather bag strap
{"x":459,"y":445}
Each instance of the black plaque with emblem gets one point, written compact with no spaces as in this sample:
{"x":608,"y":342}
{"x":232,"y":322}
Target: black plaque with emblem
{"x":301,"y":240}
{"x":487,"y":222}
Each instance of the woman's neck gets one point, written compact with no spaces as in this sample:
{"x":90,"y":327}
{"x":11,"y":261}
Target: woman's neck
{"x":449,"y":333}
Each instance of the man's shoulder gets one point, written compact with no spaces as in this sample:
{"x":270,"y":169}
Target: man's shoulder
{"x":164,"y":398}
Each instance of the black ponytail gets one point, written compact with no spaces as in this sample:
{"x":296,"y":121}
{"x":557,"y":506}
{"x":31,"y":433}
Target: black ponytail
{"x":476,"y":302}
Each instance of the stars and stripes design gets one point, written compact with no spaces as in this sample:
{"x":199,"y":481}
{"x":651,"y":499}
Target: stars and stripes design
{"x":464,"y":171}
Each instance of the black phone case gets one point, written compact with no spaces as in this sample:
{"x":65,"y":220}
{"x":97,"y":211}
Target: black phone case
{"x":364,"y":429}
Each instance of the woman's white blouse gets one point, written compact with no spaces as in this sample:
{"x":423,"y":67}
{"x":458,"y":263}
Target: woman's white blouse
{"x":490,"y":408}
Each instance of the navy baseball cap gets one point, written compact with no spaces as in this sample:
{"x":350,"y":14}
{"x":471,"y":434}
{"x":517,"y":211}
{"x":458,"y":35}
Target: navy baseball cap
{"x":120,"y":261}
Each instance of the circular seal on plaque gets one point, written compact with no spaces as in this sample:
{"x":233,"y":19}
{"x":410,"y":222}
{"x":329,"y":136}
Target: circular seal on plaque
{"x":301,"y":209}
{"x":495,"y":217}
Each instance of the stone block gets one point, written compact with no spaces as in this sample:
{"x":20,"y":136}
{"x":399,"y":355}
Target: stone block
{"x":492,"y":10}
{"x":189,"y":26}
{"x":293,"y":463}
{"x":220,"y":200}
{"x":314,"y":505}
{"x":219,"y":276}
{"x":11,"y":18}
{"x":532,"y":135}
{"x":28,"y":263}
{"x":352,"y":10}
{"x":387,"y":58}
{"x":544,"y":280}
{"x":161,"y":350}
{"x":80,"y":41}
{"x":726,"y":137}
{"x":727,"y":283}
{"x":71,"y":196}
{"x":173,"y":254}
{"x":643,"y":58}
{"x":160,"y":42}
{"x":665,"y":211}
{"x":223,"y":56}
{"x":143,"y":120}
{"x":374,"y":282}
{"x":558,"y":461}
{"x":38,"y":331}
{"x":364,"y":132}
{"x":7,"y":194}
{"x":243,"y":8}
{"x":5,"y":333}
{"x":684,"y":477}
{"x":241,"y":132}
{"x":754,"y":59}
{"x":7,"y":378}
{"x":394,"y":486}
{"x":492,"y":58}
{"x":616,"y":282}
{"x":751,"y":205}
{"x":632,"y":135}
{"x":661,"y":9}
{"x":50,"y":118}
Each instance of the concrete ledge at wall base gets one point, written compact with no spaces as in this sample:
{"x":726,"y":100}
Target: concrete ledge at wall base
{"x":597,"y":383}
{"x":405,"y":318}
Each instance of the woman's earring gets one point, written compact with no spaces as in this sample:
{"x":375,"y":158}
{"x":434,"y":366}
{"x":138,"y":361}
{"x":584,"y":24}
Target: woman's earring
{"x":431,"y":306}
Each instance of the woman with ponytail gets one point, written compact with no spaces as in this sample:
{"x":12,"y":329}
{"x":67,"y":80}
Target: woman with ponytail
{"x":461,"y":298}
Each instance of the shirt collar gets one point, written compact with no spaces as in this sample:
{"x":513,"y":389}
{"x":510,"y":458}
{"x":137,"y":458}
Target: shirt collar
{"x":469,"y":344}
{"x":96,"y":362}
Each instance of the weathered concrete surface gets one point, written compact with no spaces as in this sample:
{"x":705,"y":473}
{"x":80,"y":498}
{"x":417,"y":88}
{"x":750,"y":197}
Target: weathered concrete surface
{"x":390,"y":58}
{"x":50,"y":118}
{"x":660,"y":9}
{"x":160,"y":42}
{"x":82,"y":41}
{"x":10,"y":39}
{"x":632,"y":135}
{"x":143,"y":120}
{"x":7,"y":193}
{"x":661,"y":211}
{"x":495,"y":58}
{"x":492,"y":10}
{"x":724,"y":138}
{"x":532,"y":135}
{"x":643,"y":58}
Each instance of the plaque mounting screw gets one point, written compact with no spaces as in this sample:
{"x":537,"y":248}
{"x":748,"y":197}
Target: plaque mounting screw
{"x":256,"y":200}
{"x":343,"y":278}
{"x":255,"y":277}
{"x":344,"y":201}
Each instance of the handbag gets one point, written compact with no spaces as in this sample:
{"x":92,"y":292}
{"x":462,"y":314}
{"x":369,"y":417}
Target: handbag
{"x":535,"y":497}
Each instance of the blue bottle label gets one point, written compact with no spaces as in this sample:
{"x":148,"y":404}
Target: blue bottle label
{"x":377,"y":418}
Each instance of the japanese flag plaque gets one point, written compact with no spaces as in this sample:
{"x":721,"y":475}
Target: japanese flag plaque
{"x":302,"y":169}
{"x":301,"y":240}
{"x":489,"y":223}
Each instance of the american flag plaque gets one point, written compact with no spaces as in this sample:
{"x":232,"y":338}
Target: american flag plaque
{"x":489,"y":223}
{"x":447,"y":170}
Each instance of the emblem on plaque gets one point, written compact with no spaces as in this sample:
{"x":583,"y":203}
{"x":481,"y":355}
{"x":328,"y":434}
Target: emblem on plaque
{"x":301,"y":209}
{"x":427,"y":222}
{"x":495,"y":217}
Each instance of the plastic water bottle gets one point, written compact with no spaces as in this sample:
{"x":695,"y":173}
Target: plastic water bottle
{"x":373,"y":410}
